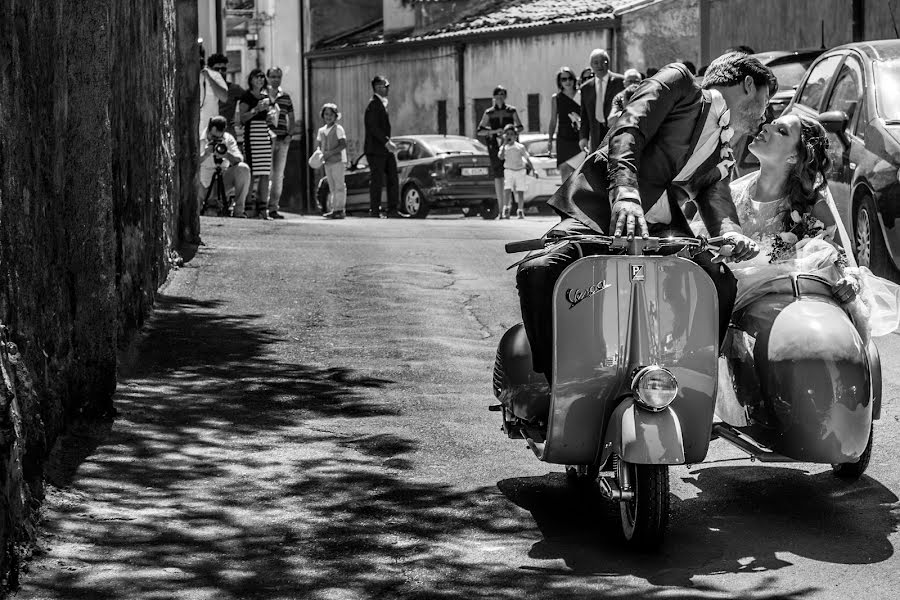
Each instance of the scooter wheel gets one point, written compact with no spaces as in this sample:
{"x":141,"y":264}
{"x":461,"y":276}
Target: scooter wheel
{"x":855,"y":470}
{"x":645,"y":517}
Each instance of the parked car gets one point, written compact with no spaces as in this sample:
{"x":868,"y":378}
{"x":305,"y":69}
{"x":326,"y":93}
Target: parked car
{"x":789,"y":66}
{"x":853,"y":91}
{"x":435,"y":171}
{"x":548,"y":180}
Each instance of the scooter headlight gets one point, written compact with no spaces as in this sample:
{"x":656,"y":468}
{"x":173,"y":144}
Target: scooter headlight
{"x":654,"y":387}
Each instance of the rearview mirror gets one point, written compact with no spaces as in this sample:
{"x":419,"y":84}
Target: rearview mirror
{"x":835,"y":121}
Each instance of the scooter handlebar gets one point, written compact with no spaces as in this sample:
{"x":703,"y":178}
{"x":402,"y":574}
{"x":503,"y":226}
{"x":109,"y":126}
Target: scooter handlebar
{"x":525,"y":246}
{"x":613,"y":242}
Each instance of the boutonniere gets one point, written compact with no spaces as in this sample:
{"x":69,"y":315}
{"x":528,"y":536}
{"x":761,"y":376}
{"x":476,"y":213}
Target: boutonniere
{"x":726,"y":155}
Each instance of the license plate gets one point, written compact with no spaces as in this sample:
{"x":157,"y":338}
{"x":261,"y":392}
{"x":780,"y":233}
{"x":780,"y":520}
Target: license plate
{"x":474,"y":171}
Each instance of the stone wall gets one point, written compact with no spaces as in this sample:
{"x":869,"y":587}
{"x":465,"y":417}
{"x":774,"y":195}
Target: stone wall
{"x":659,"y":33}
{"x":89,"y":205}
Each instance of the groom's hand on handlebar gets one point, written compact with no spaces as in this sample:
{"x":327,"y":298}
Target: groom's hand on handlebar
{"x":628,"y":214}
{"x":742,"y":247}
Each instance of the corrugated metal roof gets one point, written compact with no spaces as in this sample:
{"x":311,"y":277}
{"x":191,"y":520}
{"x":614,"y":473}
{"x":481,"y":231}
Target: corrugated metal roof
{"x":495,"y":17}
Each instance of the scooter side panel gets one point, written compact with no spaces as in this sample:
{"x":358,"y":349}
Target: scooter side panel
{"x":592,"y":368}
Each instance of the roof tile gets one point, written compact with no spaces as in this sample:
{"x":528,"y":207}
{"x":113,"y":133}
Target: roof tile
{"x":497,"y":16}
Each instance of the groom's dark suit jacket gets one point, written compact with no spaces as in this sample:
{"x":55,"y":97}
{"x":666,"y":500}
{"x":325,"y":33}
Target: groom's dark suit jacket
{"x":378,"y":127}
{"x":647,"y":149}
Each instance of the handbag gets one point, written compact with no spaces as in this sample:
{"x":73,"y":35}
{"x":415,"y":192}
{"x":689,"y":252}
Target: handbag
{"x":316,"y":160}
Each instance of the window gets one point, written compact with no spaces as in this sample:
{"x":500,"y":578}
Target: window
{"x":404,"y":150}
{"x":456,"y":146}
{"x":442,"y":117}
{"x":847,"y":91}
{"x":817,"y":82}
{"x":534,"y":112}
{"x":538,"y":147}
{"x":887,"y":82}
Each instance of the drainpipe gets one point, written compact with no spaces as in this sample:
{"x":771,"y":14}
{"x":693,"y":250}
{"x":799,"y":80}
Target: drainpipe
{"x":309,"y":198}
{"x":858,"y":22}
{"x":220,"y":25}
{"x":461,"y":83}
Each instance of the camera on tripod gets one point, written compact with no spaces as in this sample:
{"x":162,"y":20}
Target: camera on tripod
{"x":220,"y":150}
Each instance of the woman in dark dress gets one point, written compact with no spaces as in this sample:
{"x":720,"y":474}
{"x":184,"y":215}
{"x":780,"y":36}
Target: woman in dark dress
{"x":564,"y":120}
{"x":254,"y":108}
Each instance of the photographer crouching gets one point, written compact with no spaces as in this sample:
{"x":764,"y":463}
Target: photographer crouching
{"x":222,"y":166}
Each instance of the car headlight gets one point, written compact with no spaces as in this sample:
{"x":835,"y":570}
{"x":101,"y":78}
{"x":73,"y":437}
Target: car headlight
{"x":654,"y":387}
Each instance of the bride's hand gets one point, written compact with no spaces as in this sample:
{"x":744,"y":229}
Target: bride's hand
{"x":845,"y":289}
{"x":742,"y":247}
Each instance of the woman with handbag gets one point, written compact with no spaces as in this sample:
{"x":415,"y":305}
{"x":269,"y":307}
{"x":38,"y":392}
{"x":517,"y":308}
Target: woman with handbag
{"x":331,"y":142}
{"x":254,"y":114}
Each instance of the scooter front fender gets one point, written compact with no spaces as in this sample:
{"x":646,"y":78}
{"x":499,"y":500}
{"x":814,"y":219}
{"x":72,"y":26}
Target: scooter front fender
{"x":643,"y":437}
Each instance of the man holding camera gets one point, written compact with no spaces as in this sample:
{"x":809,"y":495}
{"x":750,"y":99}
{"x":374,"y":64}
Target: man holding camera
{"x":220,"y":154}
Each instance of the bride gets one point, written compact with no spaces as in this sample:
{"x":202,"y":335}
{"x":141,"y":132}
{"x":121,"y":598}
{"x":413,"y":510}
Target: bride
{"x":787,"y":209}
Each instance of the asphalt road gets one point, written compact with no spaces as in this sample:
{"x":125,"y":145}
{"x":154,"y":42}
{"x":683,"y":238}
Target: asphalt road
{"x":306,"y":418}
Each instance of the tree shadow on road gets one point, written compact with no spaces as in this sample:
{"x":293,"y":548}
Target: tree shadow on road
{"x":228,"y":476}
{"x":742,"y":517}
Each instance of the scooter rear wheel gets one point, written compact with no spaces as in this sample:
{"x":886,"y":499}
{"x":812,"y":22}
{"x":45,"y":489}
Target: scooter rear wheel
{"x":645,"y":517}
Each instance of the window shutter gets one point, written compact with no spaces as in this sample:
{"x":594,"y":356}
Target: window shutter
{"x":534,"y":112}
{"x":442,"y":117}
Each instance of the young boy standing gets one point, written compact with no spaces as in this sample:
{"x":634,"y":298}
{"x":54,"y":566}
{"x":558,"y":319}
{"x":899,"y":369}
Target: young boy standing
{"x":516,"y":164}
{"x":332,"y":141}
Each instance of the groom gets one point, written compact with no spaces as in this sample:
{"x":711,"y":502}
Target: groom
{"x":670,"y":145}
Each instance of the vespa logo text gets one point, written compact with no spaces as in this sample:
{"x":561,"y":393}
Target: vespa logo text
{"x":575,"y":296}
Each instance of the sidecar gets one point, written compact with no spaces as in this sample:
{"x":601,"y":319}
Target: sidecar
{"x":797,"y":382}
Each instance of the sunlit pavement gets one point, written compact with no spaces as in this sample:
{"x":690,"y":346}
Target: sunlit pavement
{"x":306,"y":418}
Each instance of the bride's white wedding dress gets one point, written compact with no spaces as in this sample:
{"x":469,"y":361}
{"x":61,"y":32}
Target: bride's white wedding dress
{"x":810,"y":248}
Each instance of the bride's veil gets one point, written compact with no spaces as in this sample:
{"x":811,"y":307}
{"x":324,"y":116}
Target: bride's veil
{"x":842,"y":231}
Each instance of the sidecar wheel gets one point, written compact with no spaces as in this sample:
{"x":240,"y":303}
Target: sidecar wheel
{"x":856,"y":469}
{"x":645,"y":517}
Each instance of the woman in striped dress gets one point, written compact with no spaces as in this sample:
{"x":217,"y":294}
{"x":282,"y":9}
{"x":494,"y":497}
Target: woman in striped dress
{"x":254,"y":108}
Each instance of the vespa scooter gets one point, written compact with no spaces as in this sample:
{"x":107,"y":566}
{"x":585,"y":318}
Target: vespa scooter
{"x":798,"y":382}
{"x":634,"y":373}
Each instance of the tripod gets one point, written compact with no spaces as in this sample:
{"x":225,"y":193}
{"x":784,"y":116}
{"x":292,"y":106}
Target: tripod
{"x":217,"y":183}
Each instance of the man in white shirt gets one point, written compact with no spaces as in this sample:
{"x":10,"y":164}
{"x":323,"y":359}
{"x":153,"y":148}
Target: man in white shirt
{"x":235,"y":172}
{"x":596,"y":101}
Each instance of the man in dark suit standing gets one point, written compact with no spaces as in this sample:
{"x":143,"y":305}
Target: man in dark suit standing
{"x":380,"y":151}
{"x":670,"y":145}
{"x":596,"y":101}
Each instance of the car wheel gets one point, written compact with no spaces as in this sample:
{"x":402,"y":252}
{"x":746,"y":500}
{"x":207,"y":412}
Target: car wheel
{"x":414,"y":202}
{"x":489,"y":210}
{"x":869,"y":245}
